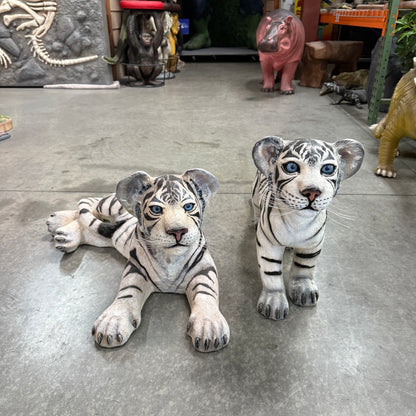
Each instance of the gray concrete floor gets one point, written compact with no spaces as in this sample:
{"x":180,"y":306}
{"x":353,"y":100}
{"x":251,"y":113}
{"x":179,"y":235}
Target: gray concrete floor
{"x":353,"y":354}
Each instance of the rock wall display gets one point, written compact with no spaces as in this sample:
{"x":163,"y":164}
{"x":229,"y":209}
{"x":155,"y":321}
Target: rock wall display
{"x":53,"y":42}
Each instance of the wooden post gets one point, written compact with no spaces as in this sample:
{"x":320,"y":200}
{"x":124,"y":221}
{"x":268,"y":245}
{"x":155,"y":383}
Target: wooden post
{"x":310,"y":19}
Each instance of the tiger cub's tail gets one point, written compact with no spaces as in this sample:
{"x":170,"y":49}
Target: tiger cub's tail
{"x":379,"y":128}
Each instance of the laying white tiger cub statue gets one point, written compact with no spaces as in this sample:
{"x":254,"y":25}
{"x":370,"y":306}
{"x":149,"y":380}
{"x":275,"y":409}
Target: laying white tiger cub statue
{"x":156,"y":224}
{"x":295,"y":183}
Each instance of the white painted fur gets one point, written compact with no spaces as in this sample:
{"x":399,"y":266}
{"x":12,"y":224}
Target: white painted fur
{"x":290,"y":208}
{"x":166,"y":251}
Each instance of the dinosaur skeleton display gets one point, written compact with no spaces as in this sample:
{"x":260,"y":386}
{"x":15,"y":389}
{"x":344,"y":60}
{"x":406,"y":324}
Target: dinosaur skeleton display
{"x":40,"y":16}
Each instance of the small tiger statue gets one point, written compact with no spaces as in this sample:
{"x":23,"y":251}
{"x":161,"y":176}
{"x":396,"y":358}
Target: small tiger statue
{"x":156,"y":224}
{"x":295,"y":183}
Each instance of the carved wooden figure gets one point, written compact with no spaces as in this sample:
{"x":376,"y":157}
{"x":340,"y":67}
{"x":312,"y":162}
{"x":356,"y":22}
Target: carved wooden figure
{"x":173,"y":37}
{"x":144,"y":37}
{"x":165,"y":47}
{"x":156,"y":224}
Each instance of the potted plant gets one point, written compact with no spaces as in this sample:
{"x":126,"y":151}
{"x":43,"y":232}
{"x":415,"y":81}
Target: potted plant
{"x":406,"y":41}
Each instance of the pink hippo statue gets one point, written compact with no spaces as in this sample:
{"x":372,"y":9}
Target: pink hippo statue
{"x":280,"y":39}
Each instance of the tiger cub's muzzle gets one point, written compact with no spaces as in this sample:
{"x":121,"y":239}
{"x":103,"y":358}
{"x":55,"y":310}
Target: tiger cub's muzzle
{"x":177,"y":232}
{"x":311,"y":193}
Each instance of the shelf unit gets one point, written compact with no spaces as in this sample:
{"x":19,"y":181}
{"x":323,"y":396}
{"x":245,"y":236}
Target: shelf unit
{"x":375,"y":18}
{"x":384,"y":19}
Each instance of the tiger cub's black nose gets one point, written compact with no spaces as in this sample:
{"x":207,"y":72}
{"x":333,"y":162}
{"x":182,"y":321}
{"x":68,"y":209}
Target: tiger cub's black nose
{"x":311,"y":193}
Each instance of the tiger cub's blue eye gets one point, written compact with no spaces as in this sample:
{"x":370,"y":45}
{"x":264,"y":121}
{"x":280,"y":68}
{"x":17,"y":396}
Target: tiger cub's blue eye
{"x":328,"y":169}
{"x":291,"y":167}
{"x":156,"y":209}
{"x":188,"y":206}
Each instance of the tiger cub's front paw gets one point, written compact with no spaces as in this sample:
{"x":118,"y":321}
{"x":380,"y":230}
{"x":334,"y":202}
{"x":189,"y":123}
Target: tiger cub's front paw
{"x":273,"y":305}
{"x":303,"y":292}
{"x":115,"y":325}
{"x":208,"y":332}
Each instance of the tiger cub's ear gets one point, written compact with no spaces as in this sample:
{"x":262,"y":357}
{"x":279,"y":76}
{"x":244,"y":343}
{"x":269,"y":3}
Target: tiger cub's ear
{"x":352,"y":155}
{"x":130,"y":189}
{"x":203,"y":180}
{"x":266,"y":152}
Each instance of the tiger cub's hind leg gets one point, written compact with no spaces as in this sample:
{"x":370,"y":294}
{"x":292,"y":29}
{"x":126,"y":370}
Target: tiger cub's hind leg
{"x":59,"y":219}
{"x":64,"y":227}
{"x":70,"y":229}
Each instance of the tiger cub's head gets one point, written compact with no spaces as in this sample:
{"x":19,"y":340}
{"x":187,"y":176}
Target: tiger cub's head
{"x":169,"y":208}
{"x":306,"y":174}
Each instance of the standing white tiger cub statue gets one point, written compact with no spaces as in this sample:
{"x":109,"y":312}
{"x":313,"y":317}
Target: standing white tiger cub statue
{"x":295,"y":183}
{"x":156,"y":224}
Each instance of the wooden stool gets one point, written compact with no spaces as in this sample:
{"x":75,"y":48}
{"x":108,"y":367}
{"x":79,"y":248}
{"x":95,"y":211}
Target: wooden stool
{"x":317,"y":56}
